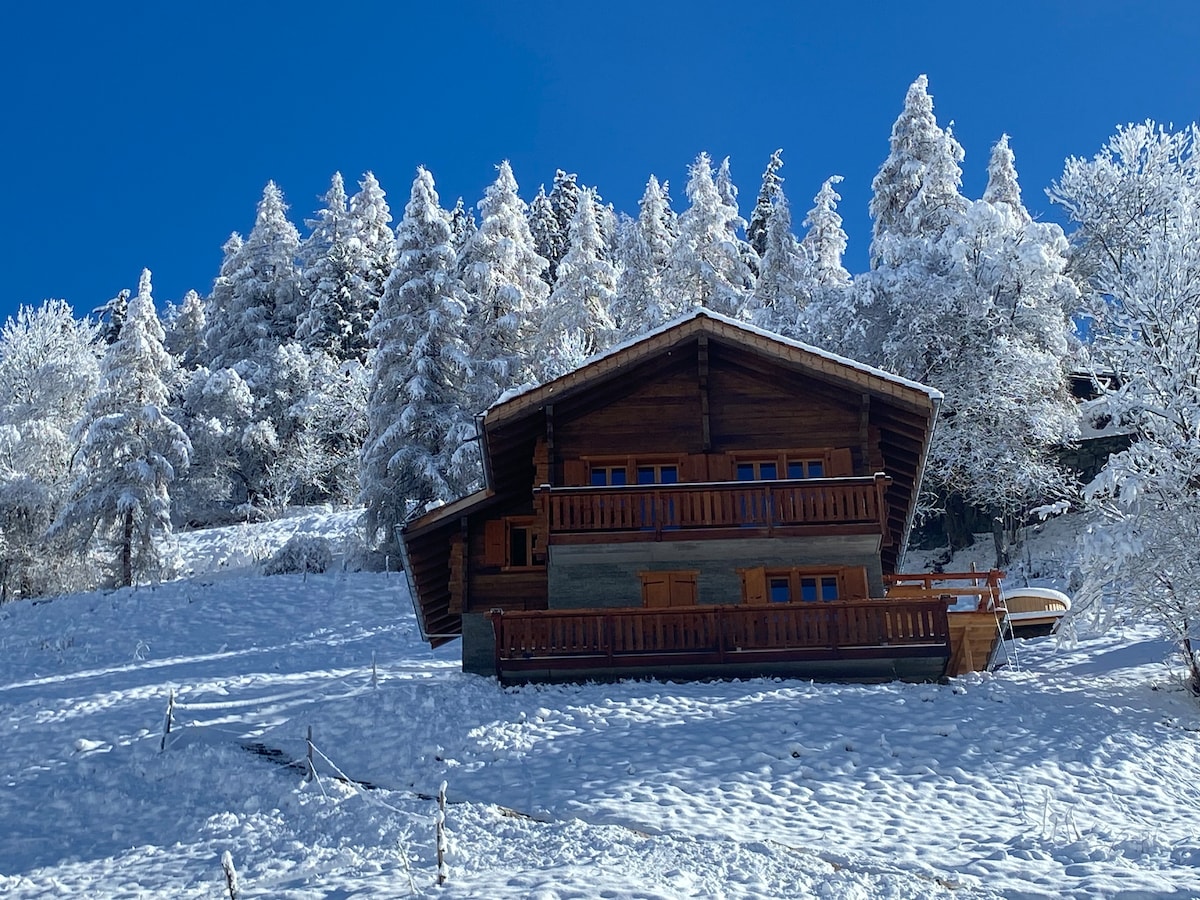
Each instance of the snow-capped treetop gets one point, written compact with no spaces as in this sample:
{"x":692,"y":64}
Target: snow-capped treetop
{"x":1002,"y":186}
{"x":706,"y":267}
{"x":783,"y":286}
{"x":825,"y":241}
{"x":916,"y":191}
{"x":579,"y":309}
{"x":772,"y":182}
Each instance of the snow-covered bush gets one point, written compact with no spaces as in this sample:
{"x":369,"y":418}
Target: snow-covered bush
{"x":302,"y":553}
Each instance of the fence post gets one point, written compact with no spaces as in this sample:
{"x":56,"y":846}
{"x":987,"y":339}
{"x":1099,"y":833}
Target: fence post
{"x":312,"y":771}
{"x":442,"y":873}
{"x":162,"y":745}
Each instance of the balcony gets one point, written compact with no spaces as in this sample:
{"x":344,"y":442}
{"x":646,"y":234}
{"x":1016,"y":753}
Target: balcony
{"x":868,"y":639}
{"x":717,"y":509}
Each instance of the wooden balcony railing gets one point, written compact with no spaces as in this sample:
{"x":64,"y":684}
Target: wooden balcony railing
{"x":738,"y":504}
{"x":659,"y":639}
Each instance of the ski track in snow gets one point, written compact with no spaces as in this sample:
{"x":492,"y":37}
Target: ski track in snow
{"x":1071,"y":774}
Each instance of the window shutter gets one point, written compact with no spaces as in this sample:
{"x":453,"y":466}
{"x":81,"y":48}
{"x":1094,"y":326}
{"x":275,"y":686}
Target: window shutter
{"x":754,"y":585}
{"x":683,"y":588}
{"x":656,"y":589}
{"x":854,"y":583}
{"x":840,"y":463}
{"x":695,"y":468}
{"x":574,"y":472}
{"x":720,"y":467}
{"x":493,"y":542}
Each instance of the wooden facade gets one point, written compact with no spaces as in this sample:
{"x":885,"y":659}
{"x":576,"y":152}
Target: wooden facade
{"x":708,"y":500}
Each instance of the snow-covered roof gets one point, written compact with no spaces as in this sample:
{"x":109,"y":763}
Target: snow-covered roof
{"x":724,"y":322}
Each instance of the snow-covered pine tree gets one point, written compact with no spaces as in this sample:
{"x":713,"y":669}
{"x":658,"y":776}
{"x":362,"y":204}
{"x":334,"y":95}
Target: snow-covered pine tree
{"x":643,"y":246}
{"x":48,"y":370}
{"x":371,"y":219}
{"x":729,"y":193}
{"x":580,"y":306}
{"x":503,"y":276}
{"x":756,"y":231}
{"x":831,"y":319}
{"x":916,"y":199}
{"x":824,"y":242}
{"x":706,"y":267}
{"x":129,"y":451}
{"x":1007,"y":406}
{"x":256,"y":300}
{"x":564,"y":199}
{"x":1137,"y":208}
{"x":419,"y":446}
{"x":782,"y":290}
{"x":186,"y":327}
{"x":331,"y":272}
{"x":111,"y":316}
{"x":548,"y":240}
{"x":462,"y":226}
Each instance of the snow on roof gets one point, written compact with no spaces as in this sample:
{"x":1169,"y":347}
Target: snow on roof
{"x":702,"y":312}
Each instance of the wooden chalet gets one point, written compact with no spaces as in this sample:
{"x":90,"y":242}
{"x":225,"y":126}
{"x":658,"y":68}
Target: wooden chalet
{"x":710,"y":500}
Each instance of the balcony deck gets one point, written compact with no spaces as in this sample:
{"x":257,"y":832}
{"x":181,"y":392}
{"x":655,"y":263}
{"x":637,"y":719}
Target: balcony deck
{"x":691,"y":511}
{"x":869,"y":640}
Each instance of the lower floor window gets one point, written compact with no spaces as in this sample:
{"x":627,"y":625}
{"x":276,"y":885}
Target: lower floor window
{"x":803,"y":584}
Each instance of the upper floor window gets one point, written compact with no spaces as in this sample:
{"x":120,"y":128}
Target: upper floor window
{"x":658,"y":474}
{"x":759,"y":470}
{"x":606,"y":475}
{"x":806,"y":468}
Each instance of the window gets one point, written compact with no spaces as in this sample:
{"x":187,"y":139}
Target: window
{"x":806,"y":468}
{"x":780,"y":590}
{"x":606,"y":475}
{"x":818,"y":587}
{"x":658,"y":474}
{"x":803,"y":584}
{"x":512,"y":543}
{"x":758,"y":470}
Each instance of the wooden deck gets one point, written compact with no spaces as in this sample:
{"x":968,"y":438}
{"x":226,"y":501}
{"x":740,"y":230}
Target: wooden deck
{"x":652,"y":511}
{"x":871,"y":639}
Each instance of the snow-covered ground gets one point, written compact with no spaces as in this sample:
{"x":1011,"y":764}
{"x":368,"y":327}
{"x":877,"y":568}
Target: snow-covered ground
{"x":1072,"y":773}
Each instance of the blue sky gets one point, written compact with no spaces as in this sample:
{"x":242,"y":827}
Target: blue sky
{"x":142,"y":133}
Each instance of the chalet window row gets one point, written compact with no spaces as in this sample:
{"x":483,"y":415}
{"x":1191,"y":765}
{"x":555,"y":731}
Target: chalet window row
{"x":770,"y":465}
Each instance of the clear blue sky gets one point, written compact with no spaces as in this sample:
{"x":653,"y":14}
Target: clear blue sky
{"x":142,"y":133}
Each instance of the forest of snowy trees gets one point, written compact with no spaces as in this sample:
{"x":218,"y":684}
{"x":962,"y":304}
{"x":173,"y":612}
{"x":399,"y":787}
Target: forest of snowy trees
{"x":347,"y":364}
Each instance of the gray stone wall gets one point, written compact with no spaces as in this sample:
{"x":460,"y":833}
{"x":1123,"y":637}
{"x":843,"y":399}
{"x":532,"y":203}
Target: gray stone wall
{"x":606,"y":575}
{"x":478,"y":644}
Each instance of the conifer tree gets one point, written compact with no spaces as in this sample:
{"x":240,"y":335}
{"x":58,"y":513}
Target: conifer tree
{"x":111,"y":316}
{"x":331,"y":272}
{"x":419,"y":429}
{"x":186,"y":328}
{"x":831,"y":317}
{"x":825,"y":240}
{"x":579,"y":308}
{"x":256,"y":301}
{"x":462,"y":226}
{"x":371,"y":220}
{"x":706,"y":267}
{"x":548,"y":240}
{"x":130,"y":451}
{"x":781,"y":291}
{"x":756,"y":231}
{"x":643,"y":247}
{"x":503,"y":276}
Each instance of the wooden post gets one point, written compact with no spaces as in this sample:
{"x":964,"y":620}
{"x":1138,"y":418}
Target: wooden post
{"x":162,"y":745}
{"x":442,"y":872}
{"x":312,"y":771}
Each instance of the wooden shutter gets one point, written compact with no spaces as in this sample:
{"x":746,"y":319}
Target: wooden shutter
{"x":854,"y":584}
{"x":493,"y":542}
{"x":754,"y":585}
{"x":695,"y":468}
{"x":683,"y":588}
{"x":656,"y":589}
{"x":575,"y":472}
{"x":840,"y":463}
{"x":720,"y":467}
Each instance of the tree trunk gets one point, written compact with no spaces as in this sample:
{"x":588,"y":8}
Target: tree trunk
{"x":127,"y":551}
{"x":958,"y":528}
{"x":1001,"y":542}
{"x":1193,"y":681}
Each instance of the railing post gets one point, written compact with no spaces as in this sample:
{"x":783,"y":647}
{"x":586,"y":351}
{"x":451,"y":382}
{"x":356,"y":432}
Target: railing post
{"x":496,"y":615}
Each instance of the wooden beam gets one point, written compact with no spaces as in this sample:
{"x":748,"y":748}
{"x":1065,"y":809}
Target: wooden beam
{"x":702,"y":367}
{"x":550,"y":441}
{"x":864,"y":432}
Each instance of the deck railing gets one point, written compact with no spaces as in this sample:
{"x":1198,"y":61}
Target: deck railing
{"x":981,"y":587}
{"x":739,"y":504}
{"x":713,"y":635}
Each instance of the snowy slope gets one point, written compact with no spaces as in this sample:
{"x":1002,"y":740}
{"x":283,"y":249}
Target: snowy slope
{"x":1071,"y":773}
